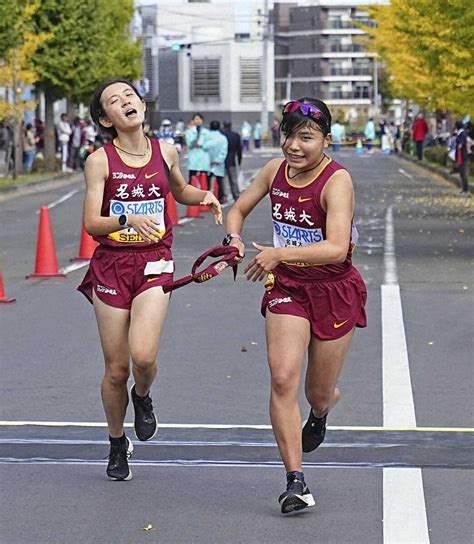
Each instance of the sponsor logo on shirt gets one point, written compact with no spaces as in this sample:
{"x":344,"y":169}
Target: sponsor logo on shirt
{"x":279,"y":192}
{"x":152,"y":208}
{"x":291,"y":235}
{"x":123,"y":175}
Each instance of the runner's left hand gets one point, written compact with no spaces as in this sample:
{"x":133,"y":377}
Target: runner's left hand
{"x":211,"y":201}
{"x":264,"y":262}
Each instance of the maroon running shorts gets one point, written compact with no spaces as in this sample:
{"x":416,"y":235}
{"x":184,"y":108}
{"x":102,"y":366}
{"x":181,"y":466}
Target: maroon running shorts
{"x":117,"y":276}
{"x":332,"y":307}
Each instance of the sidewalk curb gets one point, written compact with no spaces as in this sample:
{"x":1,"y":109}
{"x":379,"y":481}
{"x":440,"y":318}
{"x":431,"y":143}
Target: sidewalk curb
{"x":59,"y":180}
{"x":452,"y":178}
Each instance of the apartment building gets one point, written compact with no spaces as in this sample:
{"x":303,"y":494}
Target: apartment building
{"x":318,"y":53}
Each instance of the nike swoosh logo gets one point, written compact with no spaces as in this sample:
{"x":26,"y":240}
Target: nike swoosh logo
{"x":337,"y":325}
{"x":300,"y":199}
{"x":148,"y":176}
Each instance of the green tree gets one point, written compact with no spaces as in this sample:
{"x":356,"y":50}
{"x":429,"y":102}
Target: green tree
{"x":90,"y":44}
{"x":427,"y":47}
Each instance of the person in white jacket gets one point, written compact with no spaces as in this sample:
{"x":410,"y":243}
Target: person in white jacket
{"x":64,"y":135}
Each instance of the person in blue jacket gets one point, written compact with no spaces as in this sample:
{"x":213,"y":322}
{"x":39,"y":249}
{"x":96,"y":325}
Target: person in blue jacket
{"x":216,"y":145}
{"x":196,"y":138}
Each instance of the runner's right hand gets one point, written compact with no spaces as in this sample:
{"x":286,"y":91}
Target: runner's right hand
{"x":147,"y":227}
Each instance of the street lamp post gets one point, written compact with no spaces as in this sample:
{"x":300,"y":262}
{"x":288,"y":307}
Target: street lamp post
{"x":264,"y":69}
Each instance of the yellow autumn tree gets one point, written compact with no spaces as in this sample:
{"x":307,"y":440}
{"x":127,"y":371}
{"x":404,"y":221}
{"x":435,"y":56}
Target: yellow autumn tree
{"x":427,"y":48}
{"x":19,"y":43}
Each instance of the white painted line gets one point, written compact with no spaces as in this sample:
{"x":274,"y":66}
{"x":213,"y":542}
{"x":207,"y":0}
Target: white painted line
{"x":103,"y":424}
{"x":65,"y":197}
{"x":390,"y":261}
{"x":406,"y":174}
{"x":398,"y":405}
{"x":404,"y":519}
{"x":359,"y":428}
{"x":74,"y":266}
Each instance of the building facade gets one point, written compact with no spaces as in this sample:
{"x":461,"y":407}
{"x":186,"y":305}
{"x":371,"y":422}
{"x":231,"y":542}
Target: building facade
{"x":207,"y":58}
{"x":318,"y":52}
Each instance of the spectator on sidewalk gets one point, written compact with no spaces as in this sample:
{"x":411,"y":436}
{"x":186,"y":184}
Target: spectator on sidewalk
{"x":196,"y":137}
{"x":246,"y":132}
{"x":462,"y":157}
{"x":29,"y":148}
{"x":418,"y":133}
{"x":78,"y":139}
{"x":338,"y":134}
{"x":39,"y":133}
{"x":369,"y":133}
{"x":233,"y":159}
{"x":216,"y":146}
{"x":276,"y":133}
{"x":257,"y":134}
{"x":64,"y":131}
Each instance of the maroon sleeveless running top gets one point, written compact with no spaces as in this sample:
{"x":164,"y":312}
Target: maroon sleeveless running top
{"x":136,"y":190}
{"x":299,"y":220}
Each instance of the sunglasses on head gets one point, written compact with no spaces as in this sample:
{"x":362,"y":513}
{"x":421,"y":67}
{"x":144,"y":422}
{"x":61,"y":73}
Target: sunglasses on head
{"x":308,"y":110}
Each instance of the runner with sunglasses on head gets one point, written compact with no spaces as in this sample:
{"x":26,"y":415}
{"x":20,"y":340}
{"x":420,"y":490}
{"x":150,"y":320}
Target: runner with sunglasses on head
{"x":314,"y":297}
{"x":125,"y":210}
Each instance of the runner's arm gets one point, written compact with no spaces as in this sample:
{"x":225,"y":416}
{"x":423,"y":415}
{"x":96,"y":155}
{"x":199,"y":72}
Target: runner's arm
{"x":248,"y":200}
{"x":96,"y":172}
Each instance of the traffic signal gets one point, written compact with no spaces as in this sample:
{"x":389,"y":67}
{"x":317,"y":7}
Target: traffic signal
{"x":179,"y":46}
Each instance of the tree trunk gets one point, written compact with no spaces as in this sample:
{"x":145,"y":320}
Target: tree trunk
{"x":17,"y":150}
{"x":49,"y":135}
{"x":71,"y":110}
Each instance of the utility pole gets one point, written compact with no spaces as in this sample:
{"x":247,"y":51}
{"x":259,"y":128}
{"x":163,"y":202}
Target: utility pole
{"x":376,"y":88}
{"x":288,"y":87}
{"x":264,"y":69}
{"x":16,"y":118}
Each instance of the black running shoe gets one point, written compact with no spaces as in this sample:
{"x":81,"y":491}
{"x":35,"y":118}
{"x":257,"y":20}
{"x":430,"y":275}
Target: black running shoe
{"x":313,"y":432}
{"x":297,"y":495}
{"x":145,"y":420}
{"x":120,"y":453}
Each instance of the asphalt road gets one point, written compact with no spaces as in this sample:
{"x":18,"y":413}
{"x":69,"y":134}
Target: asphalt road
{"x":396,"y":466}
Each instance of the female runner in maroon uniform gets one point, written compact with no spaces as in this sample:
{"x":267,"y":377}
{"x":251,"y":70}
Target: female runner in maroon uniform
{"x":125,"y":210}
{"x":314,"y":297}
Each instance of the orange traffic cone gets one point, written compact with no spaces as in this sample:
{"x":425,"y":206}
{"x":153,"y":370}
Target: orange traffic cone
{"x":216,"y":188}
{"x":86,"y":247}
{"x":3,"y":298}
{"x":193,"y":211}
{"x":204,"y":187}
{"x":172,"y":209}
{"x":46,"y":264}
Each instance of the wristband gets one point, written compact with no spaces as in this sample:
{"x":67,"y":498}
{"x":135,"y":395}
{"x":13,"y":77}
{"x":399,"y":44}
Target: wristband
{"x":228,"y":238}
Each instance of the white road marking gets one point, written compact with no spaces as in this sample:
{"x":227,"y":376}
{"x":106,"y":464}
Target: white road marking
{"x":404,"y":519}
{"x":406,"y":174}
{"x":74,"y":266}
{"x":65,"y":197}
{"x":103,"y":424}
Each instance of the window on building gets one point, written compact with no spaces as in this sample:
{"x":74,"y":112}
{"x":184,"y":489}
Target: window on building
{"x":250,"y":79}
{"x":335,"y":91}
{"x":205,"y":80}
{"x":362,"y":90}
{"x":335,"y":44}
{"x":362,"y":67}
